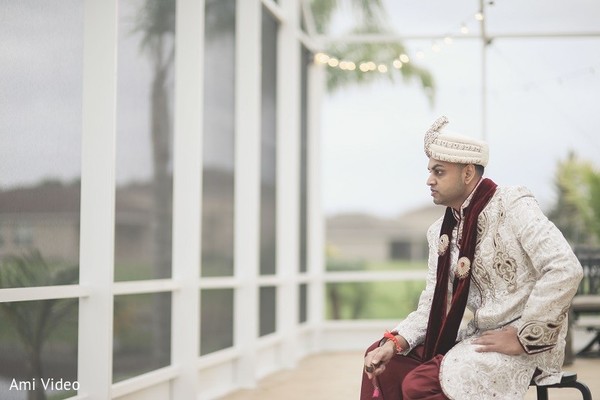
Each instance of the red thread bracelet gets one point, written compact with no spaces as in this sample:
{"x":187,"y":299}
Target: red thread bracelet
{"x":390,"y":336}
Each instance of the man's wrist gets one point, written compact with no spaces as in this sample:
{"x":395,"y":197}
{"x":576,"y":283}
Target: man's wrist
{"x":386,"y":342}
{"x":397,"y":342}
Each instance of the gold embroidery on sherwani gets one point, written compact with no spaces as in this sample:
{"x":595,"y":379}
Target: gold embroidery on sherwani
{"x":506,"y":268}
{"x":504,"y":265}
{"x":443,"y":245}
{"x":462,"y":268}
{"x":480,"y":275}
{"x":537,"y":336}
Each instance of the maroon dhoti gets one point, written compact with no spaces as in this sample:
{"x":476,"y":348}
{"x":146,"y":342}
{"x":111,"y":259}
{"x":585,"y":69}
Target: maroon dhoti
{"x":406,"y":378}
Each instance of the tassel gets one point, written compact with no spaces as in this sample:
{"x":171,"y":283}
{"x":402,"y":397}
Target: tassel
{"x":376,"y":392}
{"x":375,"y":389}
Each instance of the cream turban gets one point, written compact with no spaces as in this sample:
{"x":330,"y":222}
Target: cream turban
{"x":450,"y":147}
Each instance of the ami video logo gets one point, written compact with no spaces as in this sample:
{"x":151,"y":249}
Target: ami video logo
{"x":45,"y":384}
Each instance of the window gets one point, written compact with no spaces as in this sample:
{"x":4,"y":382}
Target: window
{"x":219,"y":136}
{"x":268,"y":154}
{"x":144,"y":191}
{"x":142,"y":334}
{"x":216,"y":320}
{"x":306,"y":60}
{"x":217,"y":305}
{"x":268,"y":310}
{"x":303,"y":303}
{"x":40,"y":125}
{"x":40,"y":172}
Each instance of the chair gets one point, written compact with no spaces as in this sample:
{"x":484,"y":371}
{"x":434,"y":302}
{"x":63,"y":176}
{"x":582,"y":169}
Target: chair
{"x":587,"y":301}
{"x":569,"y":380}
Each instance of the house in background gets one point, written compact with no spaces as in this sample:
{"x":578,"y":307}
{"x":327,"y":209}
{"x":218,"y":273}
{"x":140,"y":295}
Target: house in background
{"x":42,"y":218}
{"x":354,"y":237}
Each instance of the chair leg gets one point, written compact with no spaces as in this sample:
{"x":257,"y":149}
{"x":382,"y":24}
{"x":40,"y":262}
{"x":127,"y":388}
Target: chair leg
{"x":584,"y":389}
{"x":542,"y":393}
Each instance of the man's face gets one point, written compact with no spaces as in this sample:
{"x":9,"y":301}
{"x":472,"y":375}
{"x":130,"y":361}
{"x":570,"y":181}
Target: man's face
{"x":447,"y":183}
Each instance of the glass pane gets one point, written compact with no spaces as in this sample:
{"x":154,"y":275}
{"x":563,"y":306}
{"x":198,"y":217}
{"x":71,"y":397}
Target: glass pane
{"x":268,"y":206}
{"x":268,"y":310}
{"x":372,"y":300}
{"x":216,"y":320}
{"x":303,"y":303}
{"x":144,"y":190}
{"x":306,"y":62}
{"x":218,"y":147}
{"x":142,"y":334}
{"x":38,"y":343}
{"x":40,"y":136}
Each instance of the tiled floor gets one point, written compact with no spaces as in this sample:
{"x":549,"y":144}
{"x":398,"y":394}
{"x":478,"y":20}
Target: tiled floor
{"x":328,"y":376}
{"x":334,"y":376}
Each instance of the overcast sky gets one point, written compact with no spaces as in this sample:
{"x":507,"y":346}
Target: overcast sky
{"x":543,"y":100}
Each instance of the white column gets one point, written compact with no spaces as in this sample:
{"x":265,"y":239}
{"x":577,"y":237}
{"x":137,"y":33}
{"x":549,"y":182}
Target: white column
{"x":98,"y":198}
{"x":316,"y":218}
{"x":288,"y":178}
{"x":247,"y":184}
{"x":187,"y":199}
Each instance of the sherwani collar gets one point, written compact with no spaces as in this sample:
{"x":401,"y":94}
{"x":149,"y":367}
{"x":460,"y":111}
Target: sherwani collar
{"x":459,"y":214}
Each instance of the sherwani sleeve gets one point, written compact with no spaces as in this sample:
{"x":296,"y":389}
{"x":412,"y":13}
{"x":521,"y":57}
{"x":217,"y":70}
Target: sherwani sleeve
{"x":556,"y":266}
{"x":414,"y":326}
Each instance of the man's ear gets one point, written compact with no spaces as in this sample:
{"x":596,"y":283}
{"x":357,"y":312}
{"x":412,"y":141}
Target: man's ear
{"x":469,"y":173}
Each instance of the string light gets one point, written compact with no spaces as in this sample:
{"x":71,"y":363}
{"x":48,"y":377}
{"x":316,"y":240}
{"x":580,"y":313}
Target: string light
{"x":397,"y":63}
{"x":347,"y":65}
{"x":321,"y":58}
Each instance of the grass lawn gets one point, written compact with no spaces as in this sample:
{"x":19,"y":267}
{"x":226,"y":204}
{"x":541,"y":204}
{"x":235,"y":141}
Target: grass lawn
{"x":374,"y":300}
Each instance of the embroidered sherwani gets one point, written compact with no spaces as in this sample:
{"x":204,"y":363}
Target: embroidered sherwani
{"x":524,"y":274}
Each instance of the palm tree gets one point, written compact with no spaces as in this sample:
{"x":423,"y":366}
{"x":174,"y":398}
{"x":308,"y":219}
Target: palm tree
{"x":156,"y":23}
{"x":34,"y":321}
{"x":371,"y":18}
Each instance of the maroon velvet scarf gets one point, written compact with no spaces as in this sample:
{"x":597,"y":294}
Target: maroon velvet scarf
{"x":443,"y":325}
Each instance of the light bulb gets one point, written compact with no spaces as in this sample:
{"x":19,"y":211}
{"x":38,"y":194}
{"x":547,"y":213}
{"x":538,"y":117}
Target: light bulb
{"x":321,"y":58}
